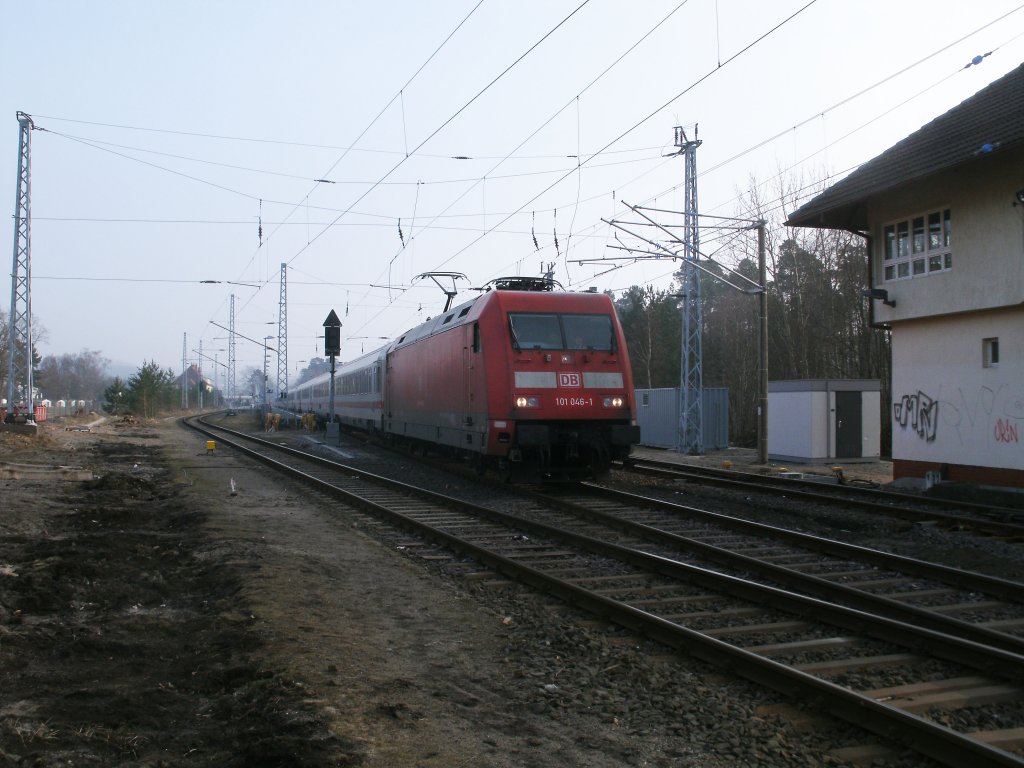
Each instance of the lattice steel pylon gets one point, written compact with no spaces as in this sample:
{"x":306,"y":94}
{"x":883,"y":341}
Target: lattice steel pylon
{"x":184,"y":371}
{"x":691,"y":375}
{"x":231,"y":354}
{"x":282,"y":335}
{"x":20,"y":352}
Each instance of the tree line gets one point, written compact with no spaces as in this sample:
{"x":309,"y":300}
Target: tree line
{"x":83,"y":376}
{"x":818,"y":321}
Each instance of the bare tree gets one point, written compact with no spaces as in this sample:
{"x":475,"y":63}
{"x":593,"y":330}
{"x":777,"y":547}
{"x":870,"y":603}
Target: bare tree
{"x":818,"y":322}
{"x":80,"y":376}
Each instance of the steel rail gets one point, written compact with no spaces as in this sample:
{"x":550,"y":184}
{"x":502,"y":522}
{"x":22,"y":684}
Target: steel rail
{"x":1003,"y":588}
{"x":815,"y":585}
{"x":1000,"y":662}
{"x":943,"y":744}
{"x":844,"y":495}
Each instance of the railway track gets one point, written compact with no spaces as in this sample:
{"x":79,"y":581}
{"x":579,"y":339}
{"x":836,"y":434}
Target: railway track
{"x":984,"y":518}
{"x":903,"y":588}
{"x":860,"y":659}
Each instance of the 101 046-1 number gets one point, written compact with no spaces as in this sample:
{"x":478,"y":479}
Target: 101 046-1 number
{"x":563,"y":401}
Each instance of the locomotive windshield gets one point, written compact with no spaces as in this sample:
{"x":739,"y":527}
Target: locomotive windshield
{"x":532,"y":330}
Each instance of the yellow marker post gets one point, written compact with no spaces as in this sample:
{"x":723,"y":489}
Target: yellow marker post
{"x":210,"y":445}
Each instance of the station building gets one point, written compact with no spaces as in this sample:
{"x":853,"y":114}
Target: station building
{"x":942,"y":212}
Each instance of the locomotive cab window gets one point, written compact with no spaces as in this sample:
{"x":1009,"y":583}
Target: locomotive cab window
{"x":588,"y":332}
{"x":550,"y":331}
{"x":534,"y":331}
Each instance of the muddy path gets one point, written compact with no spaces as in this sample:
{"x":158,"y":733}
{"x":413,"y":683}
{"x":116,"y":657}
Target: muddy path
{"x":121,"y":641}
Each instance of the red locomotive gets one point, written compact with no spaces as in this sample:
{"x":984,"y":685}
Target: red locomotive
{"x":521,"y":377}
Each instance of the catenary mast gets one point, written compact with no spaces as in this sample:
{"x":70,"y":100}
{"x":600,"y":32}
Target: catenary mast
{"x":231,"y":354}
{"x":691,"y":363}
{"x":184,"y":371}
{"x":282,"y":335}
{"x":691,"y":376}
{"x":20,"y":352}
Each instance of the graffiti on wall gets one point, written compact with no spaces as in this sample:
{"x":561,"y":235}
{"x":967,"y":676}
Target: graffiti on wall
{"x":1006,"y":431}
{"x":920,"y":413}
{"x":993,"y":415}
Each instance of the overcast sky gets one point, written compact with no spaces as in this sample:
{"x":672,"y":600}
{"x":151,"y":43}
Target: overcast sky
{"x":374,"y":142}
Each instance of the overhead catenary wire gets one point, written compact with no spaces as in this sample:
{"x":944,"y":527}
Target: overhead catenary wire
{"x":287,"y":143}
{"x":835,"y":175}
{"x":453,"y":116}
{"x":629,"y":130}
{"x":39,"y":218}
{"x":847,"y":99}
{"x":385,"y":210}
{"x":815,"y":187}
{"x":492,"y":175}
{"x":372,"y":122}
{"x":572,"y":101}
{"x":547,"y":122}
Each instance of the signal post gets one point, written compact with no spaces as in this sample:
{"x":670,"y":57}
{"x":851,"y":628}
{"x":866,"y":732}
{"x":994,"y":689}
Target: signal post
{"x":332,"y":347}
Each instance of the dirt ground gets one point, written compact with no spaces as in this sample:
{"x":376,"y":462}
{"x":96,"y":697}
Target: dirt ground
{"x":184,"y":608}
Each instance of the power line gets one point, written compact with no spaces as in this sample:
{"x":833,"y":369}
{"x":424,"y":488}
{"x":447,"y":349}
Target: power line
{"x":308,"y":145}
{"x":452,"y":117}
{"x":858,"y":94}
{"x":621,"y":136}
{"x":575,"y":100}
{"x":614,"y":141}
{"x":103,"y":145}
{"x":844,"y":101}
{"x":445,"y":123}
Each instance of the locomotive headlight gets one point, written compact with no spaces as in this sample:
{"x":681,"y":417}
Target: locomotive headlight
{"x":527,"y":402}
{"x":613,"y":402}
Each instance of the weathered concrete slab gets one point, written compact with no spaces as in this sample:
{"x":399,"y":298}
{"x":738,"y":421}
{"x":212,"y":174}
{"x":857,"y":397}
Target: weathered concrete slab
{"x":9,"y":471}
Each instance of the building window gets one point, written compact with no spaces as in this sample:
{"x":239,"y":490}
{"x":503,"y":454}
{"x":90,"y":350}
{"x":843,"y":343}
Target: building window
{"x":919,"y":246}
{"x":990,"y":353}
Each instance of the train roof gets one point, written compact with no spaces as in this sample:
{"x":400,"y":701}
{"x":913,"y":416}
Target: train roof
{"x":508,"y":299}
{"x":454,"y":317}
{"x":467,"y":312}
{"x":354,"y":364}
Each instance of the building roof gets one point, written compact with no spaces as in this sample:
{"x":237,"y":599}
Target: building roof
{"x":989,"y":122}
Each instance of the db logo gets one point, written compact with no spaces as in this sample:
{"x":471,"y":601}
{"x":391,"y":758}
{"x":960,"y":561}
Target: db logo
{"x":568,"y":380}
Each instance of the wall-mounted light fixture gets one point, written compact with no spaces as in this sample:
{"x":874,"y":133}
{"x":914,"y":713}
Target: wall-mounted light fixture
{"x":1020,"y":197}
{"x":878,"y":293}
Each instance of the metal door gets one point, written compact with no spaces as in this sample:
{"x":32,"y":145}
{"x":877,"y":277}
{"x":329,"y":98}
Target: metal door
{"x":848,"y":425}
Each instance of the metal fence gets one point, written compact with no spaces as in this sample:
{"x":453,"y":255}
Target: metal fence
{"x":57,"y":408}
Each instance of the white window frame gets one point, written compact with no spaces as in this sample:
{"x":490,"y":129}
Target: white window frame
{"x":918,"y":245}
{"x":990,"y":352}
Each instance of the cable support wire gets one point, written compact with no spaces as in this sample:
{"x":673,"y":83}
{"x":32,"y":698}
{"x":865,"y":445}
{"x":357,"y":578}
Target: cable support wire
{"x":614,"y":141}
{"x":974,"y":62}
{"x":580,"y":161}
{"x":424,"y":155}
{"x":695,"y":262}
{"x":445,"y":123}
{"x":848,"y":99}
